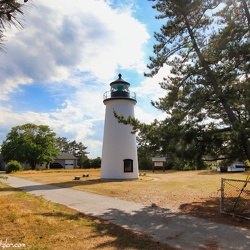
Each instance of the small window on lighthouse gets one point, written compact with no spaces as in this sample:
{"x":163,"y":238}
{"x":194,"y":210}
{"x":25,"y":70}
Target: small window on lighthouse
{"x":128,"y":165}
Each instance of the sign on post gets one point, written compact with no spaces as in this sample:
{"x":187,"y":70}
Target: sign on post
{"x":158,"y":163}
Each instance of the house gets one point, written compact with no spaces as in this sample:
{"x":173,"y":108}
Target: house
{"x":65,"y":160}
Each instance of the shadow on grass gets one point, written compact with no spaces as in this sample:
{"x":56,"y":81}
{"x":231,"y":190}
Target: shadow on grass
{"x":5,"y":188}
{"x":175,"y":230}
{"x":180,"y":231}
{"x":121,"y":238}
{"x":35,"y":186}
{"x":209,"y":172}
{"x":9,"y":189}
{"x":210,"y":210}
{"x":114,"y":236}
{"x":214,"y":172}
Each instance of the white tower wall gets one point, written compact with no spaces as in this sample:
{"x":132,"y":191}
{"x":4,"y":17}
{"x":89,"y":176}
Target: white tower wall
{"x":118,"y":142}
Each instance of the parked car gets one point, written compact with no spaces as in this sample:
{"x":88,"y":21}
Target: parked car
{"x":235,"y":167}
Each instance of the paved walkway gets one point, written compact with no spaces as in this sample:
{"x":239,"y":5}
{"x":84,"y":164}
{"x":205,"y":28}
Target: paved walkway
{"x":177,"y":230}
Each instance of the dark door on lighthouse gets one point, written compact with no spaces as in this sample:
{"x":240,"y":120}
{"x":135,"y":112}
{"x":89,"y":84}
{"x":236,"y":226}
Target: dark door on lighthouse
{"x":128,"y":165}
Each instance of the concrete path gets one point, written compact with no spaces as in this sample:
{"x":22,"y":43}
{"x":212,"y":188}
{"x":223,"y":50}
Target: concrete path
{"x":177,"y":230}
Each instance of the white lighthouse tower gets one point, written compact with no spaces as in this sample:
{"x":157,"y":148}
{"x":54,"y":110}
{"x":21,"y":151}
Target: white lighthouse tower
{"x":119,"y":152}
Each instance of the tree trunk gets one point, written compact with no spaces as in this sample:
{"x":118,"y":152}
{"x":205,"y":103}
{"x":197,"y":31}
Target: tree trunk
{"x":33,"y":165}
{"x":246,"y":11}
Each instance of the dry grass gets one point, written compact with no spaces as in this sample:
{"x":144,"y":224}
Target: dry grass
{"x":168,"y":189}
{"x":43,"y":225}
{"x":193,"y":192}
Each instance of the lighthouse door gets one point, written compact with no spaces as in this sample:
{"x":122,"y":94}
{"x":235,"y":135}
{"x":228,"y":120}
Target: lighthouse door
{"x":128,"y":165}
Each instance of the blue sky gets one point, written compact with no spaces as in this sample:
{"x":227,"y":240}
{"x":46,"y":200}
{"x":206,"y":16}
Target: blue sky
{"x":55,"y":71}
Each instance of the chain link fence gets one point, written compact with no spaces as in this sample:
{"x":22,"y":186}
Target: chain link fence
{"x":235,"y":197}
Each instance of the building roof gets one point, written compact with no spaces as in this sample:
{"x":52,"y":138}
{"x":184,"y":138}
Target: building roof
{"x":158,"y":159}
{"x":66,"y":156}
{"x":119,"y":81}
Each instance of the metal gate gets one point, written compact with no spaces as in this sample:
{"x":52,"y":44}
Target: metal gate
{"x":235,"y":197}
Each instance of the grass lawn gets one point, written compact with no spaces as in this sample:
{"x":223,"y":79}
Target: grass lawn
{"x":38,"y":224}
{"x":168,"y":189}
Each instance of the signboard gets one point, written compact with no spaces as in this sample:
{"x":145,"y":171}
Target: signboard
{"x":158,"y":162}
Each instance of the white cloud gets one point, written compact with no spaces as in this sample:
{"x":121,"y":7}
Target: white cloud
{"x":74,"y":48}
{"x":150,"y":86}
{"x":61,"y":35}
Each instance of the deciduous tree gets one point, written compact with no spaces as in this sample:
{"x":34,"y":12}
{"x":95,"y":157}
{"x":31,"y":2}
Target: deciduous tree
{"x":30,"y":143}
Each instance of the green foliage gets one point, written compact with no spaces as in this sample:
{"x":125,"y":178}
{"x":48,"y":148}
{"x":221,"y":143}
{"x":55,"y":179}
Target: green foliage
{"x":206,"y":45}
{"x":95,"y":163}
{"x":9,"y":15}
{"x":77,"y":149}
{"x":30,"y":143}
{"x":144,"y":163}
{"x":91,"y":163}
{"x":13,"y":166}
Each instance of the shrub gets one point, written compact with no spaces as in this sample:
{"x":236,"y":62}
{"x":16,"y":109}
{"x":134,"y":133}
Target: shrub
{"x":13,"y":166}
{"x":145,"y":163}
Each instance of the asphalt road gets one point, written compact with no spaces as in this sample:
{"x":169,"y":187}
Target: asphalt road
{"x":177,"y":230}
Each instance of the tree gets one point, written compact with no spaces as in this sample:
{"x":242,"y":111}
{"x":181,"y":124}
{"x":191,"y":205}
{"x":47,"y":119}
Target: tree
{"x":63,"y":144}
{"x":206,"y":45}
{"x":95,"y":163}
{"x":9,"y":10}
{"x":30,"y":143}
{"x":77,"y":149}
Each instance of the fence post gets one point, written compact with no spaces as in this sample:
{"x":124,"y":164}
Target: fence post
{"x":222,"y":196}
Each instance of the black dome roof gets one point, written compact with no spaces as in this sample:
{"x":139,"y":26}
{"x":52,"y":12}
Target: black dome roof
{"x":119,"y":80}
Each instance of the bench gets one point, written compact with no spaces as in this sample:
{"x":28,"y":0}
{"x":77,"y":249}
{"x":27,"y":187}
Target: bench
{"x":77,"y":178}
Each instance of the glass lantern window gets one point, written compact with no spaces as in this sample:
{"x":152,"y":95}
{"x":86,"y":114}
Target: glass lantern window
{"x":119,"y":87}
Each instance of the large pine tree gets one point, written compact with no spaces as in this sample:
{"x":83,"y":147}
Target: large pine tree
{"x":9,"y":10}
{"x":206,"y":44}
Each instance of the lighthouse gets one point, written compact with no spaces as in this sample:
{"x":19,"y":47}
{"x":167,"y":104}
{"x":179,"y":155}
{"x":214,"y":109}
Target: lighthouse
{"x":119,"y":151}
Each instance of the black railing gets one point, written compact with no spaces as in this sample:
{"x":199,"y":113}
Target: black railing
{"x":119,"y":94}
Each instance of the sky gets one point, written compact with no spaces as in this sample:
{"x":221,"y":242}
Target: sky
{"x":55,"y":71}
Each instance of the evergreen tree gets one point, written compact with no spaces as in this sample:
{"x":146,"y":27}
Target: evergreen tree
{"x":9,"y":10}
{"x":206,"y":45}
{"x":77,"y":149}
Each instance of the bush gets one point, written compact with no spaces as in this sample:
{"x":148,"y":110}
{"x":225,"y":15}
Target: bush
{"x":145,"y":164}
{"x":90,"y":163}
{"x":13,"y":166}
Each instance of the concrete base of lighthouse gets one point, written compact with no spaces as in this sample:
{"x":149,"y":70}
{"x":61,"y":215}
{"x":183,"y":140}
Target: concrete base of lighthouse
{"x":119,"y":152}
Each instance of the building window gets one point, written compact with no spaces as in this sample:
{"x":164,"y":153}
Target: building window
{"x":128,"y":165}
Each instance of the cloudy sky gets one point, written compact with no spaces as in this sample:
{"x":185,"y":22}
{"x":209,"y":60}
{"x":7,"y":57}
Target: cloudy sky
{"x":55,"y":71}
